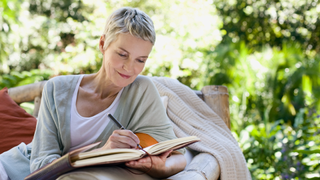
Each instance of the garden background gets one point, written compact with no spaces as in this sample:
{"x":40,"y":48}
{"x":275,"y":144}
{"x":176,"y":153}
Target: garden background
{"x":265,"y":51}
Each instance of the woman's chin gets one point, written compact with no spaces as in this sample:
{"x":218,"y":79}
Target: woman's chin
{"x":123,"y":82}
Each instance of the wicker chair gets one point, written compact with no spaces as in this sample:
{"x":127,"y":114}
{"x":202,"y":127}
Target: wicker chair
{"x":202,"y":167}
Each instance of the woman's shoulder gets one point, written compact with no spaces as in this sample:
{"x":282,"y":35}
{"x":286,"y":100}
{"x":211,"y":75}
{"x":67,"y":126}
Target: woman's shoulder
{"x":61,"y":83}
{"x":60,"y":88}
{"x":142,"y":82}
{"x":63,"y":80}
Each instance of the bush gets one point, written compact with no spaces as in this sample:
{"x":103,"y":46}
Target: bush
{"x":280,"y":151}
{"x":15,"y":78}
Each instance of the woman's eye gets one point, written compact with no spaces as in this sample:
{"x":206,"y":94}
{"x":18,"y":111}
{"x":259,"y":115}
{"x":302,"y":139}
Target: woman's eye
{"x":140,"y":61}
{"x":122,"y":55}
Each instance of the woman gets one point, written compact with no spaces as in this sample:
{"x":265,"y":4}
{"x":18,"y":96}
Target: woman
{"x":74,"y":108}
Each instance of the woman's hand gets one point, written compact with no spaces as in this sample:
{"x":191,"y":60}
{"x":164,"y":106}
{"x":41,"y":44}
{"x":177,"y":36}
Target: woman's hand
{"x":122,"y":139}
{"x":161,"y":165}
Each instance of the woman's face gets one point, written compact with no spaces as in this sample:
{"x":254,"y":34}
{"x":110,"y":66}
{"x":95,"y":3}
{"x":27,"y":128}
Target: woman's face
{"x":125,"y":58}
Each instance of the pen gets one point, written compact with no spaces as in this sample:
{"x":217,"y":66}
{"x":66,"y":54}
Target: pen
{"x":119,"y":125}
{"x":116,"y":121}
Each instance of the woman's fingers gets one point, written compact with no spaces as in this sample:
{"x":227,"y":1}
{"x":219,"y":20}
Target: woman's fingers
{"x":157,"y":164}
{"x":128,"y":133}
{"x":122,"y":139}
{"x":165,"y":155}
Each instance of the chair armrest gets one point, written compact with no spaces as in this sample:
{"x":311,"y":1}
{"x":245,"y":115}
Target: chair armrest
{"x":202,"y":167}
{"x":26,"y":93}
{"x":217,"y":98}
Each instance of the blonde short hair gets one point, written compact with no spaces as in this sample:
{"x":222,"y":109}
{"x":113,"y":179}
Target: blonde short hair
{"x":131,"y":20}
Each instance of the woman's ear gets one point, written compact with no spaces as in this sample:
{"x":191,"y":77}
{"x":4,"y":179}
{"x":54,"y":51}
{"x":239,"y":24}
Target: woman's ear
{"x":101,"y":43}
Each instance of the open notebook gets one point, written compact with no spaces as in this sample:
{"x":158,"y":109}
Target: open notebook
{"x":79,"y":158}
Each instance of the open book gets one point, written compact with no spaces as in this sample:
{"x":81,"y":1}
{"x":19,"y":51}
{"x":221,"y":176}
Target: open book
{"x":79,"y":158}
{"x":124,"y":155}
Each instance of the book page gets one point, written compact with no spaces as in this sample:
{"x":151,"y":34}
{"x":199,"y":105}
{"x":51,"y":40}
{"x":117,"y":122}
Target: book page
{"x":107,"y":152}
{"x":109,"y":158}
{"x":82,"y":149}
{"x":171,"y":144}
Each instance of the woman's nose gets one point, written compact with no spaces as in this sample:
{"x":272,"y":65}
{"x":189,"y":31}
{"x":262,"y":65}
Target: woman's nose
{"x":128,"y":65}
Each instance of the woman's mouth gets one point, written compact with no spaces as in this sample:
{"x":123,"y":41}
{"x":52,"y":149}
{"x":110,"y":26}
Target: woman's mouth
{"x":124,"y":76}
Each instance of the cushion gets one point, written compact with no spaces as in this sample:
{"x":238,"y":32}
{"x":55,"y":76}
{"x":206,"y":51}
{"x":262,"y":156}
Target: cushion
{"x":15,"y":123}
{"x":146,"y":140}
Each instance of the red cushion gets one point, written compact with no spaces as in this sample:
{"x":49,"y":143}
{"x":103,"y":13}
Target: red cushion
{"x":16,"y":125}
{"x":146,"y":140}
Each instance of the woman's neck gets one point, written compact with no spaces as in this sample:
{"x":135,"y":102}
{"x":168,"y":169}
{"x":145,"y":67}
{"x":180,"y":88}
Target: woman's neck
{"x":100,"y":84}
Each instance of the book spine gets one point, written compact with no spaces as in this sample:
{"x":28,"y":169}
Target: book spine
{"x":53,"y":170}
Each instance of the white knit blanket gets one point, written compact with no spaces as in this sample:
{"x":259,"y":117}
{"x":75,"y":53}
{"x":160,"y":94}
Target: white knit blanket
{"x":192,"y":116}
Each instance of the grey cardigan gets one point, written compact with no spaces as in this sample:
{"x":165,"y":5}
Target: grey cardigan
{"x":140,"y":110}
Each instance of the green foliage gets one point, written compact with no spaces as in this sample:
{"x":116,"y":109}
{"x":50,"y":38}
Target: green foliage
{"x":260,"y":22}
{"x":272,"y":83}
{"x":49,"y":35}
{"x":15,"y":78}
{"x":9,"y":15}
{"x":59,"y":10}
{"x":280,"y":151}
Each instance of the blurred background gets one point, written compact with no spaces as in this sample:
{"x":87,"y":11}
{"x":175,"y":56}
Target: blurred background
{"x":265,"y":51}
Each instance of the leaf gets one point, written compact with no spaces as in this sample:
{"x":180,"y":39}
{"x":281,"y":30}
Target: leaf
{"x":307,"y":151}
{"x":314,"y":178}
{"x":306,"y":85}
{"x":299,"y":118}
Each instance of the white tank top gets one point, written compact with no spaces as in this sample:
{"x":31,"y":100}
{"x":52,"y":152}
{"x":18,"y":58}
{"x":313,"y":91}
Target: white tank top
{"x":85,"y":130}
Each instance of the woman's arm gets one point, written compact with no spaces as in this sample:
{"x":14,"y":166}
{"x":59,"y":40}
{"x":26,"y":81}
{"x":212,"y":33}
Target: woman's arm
{"x":162,"y":166}
{"x":45,"y":143}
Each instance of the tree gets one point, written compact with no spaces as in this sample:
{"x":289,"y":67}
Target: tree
{"x":260,"y":22}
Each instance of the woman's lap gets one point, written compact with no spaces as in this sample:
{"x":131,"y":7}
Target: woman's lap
{"x":104,"y":173}
{"x":110,"y":173}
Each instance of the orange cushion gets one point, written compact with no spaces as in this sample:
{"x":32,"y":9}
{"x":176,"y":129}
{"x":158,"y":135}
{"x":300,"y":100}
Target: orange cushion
{"x":146,"y":140}
{"x":16,"y":125}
